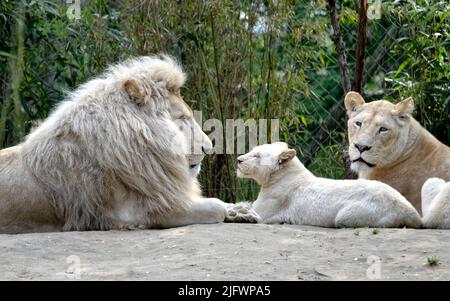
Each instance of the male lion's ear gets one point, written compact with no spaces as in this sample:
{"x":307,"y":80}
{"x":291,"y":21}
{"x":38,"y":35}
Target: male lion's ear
{"x":286,"y":156}
{"x":404,"y":107}
{"x":353,"y":100}
{"x":134,"y":91}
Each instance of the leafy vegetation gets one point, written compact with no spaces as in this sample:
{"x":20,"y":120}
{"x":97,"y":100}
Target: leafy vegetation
{"x":433,"y":261}
{"x":244,"y":59}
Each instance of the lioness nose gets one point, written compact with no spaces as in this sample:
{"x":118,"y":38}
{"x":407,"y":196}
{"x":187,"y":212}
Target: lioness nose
{"x":240,"y":160}
{"x":362,"y":148}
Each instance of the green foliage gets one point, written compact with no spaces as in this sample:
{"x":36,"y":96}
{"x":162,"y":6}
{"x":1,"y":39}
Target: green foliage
{"x":326,"y":162}
{"x":416,"y":63}
{"x":422,"y":53}
{"x":433,"y":261}
{"x":244,"y":59}
{"x":59,"y":55}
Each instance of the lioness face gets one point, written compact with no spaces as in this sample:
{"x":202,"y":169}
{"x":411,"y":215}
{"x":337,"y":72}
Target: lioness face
{"x":263,"y":160}
{"x":377,"y":131}
{"x":197,"y":142}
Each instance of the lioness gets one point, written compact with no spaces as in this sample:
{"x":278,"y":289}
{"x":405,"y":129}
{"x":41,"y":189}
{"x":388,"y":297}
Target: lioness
{"x":290,"y":193}
{"x":387,"y":144}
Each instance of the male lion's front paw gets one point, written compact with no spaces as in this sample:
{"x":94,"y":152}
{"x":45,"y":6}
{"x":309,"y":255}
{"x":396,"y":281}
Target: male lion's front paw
{"x":242,"y":213}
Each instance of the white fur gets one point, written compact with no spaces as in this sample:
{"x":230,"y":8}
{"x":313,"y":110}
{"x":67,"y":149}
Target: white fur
{"x":292,"y":194}
{"x":117,"y":154}
{"x":436,"y":204}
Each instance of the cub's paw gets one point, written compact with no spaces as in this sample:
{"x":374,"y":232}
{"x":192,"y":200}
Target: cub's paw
{"x":242,"y":213}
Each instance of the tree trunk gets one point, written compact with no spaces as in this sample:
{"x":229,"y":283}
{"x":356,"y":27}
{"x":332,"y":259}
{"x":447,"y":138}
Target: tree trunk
{"x":345,"y":81}
{"x":340,"y":46}
{"x":360,"y":46}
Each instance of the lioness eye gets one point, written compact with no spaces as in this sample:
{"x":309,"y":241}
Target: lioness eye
{"x":358,"y":123}
{"x":382,"y":129}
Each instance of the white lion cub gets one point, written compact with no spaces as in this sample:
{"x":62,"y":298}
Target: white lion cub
{"x":436,"y":204}
{"x":290,"y":193}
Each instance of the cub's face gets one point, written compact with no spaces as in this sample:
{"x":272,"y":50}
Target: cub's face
{"x":378,"y":131}
{"x":264,"y":160}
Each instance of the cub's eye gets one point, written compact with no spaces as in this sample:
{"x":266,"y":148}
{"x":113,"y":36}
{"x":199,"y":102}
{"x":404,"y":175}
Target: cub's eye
{"x":256,"y":155}
{"x":382,"y":130}
{"x":358,"y":124}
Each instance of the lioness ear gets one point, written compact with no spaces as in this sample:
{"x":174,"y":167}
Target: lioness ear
{"x":405,"y":107}
{"x":353,"y":100}
{"x":134,"y":91}
{"x":286,"y":156}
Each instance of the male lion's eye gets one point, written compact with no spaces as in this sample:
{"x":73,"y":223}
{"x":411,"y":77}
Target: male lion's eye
{"x":358,"y":123}
{"x":383,"y":129}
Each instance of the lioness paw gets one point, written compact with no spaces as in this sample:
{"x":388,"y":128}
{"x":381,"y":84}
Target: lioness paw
{"x":242,"y":213}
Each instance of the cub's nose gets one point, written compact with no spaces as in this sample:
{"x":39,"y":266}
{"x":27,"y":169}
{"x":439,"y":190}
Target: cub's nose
{"x":240,"y":160}
{"x":362,"y":148}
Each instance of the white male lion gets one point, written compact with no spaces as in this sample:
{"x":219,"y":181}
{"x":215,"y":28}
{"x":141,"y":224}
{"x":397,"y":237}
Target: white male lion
{"x":387,"y":144}
{"x":436,"y":204}
{"x":290,"y":193}
{"x":116,"y":155}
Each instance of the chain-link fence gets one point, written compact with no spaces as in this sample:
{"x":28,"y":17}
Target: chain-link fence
{"x":401,"y":43}
{"x":244,"y":59}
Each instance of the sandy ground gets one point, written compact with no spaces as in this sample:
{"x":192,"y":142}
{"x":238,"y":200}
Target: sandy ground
{"x":228,"y":252}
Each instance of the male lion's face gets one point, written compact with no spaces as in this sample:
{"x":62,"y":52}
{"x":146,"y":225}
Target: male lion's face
{"x":197,"y":142}
{"x":263,"y":160}
{"x":154,"y":85}
{"x":377,"y":131}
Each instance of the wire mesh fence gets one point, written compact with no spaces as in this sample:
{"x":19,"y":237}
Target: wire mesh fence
{"x":250,"y":59}
{"x":317,"y":125}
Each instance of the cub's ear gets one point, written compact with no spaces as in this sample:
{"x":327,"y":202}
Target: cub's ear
{"x":286,"y":156}
{"x":353,"y":100}
{"x":404,"y":108}
{"x":134,"y":91}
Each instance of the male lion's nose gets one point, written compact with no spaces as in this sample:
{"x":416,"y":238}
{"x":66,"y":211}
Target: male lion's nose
{"x":205,"y":150}
{"x":207,"y":146}
{"x":362,"y":148}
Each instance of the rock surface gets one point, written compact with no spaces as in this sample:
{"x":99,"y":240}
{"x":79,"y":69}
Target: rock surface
{"x":228,"y":252}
